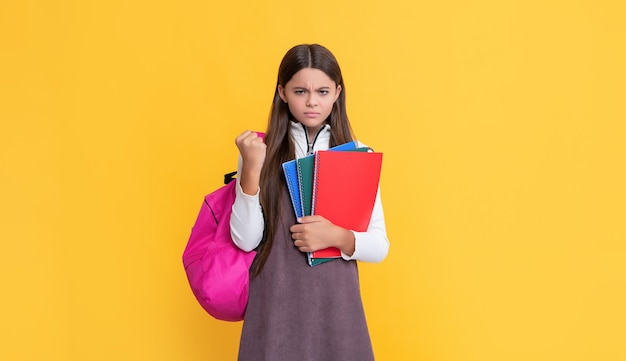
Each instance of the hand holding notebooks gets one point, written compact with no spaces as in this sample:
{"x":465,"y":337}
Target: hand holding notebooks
{"x":300,"y":175}
{"x":344,"y":190}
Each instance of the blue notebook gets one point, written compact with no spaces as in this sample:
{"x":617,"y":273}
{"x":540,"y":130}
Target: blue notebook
{"x":291,"y":175}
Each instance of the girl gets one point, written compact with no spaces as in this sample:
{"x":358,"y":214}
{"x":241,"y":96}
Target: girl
{"x":298,"y":312}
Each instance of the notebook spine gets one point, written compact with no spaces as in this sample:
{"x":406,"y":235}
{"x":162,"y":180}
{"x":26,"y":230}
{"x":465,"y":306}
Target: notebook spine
{"x":309,"y":255}
{"x":314,"y":192}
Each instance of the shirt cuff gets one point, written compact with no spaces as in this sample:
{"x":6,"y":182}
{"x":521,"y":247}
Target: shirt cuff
{"x":354,"y":255}
{"x":367,"y":248}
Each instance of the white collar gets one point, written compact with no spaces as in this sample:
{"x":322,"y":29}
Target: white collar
{"x":299,"y":136}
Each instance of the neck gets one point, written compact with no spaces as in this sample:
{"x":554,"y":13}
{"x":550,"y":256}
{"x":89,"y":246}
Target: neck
{"x":312,"y":132}
{"x":311,"y":136}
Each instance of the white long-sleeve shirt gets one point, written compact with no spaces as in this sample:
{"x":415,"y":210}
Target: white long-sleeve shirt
{"x":247,"y":223}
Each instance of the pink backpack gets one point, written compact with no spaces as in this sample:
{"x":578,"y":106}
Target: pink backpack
{"x":217,"y":270}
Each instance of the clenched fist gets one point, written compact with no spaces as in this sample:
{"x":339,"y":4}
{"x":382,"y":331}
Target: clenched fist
{"x":252,"y":150}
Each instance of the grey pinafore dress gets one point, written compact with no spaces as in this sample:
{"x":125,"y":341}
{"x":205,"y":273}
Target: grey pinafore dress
{"x":300,"y":313}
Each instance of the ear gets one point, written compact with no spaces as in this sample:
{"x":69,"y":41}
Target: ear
{"x":338,"y":92}
{"x":281,"y":93}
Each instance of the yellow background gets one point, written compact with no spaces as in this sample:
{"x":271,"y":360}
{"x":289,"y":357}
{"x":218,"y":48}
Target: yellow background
{"x":503,"y":128}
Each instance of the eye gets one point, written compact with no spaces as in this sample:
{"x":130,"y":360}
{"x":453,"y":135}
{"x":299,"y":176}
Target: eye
{"x":323,"y":91}
{"x":299,"y":91}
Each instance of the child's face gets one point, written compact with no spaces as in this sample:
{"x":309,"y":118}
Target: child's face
{"x":310,"y":95}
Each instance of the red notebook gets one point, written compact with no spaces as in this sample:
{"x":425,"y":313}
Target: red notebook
{"x":344,"y":190}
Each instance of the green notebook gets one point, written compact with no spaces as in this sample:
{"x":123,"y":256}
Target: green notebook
{"x":305,"y":168}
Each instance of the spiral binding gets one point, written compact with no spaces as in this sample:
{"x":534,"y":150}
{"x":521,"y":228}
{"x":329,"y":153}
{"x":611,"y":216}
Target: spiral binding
{"x":300,"y":188}
{"x":317,"y":161}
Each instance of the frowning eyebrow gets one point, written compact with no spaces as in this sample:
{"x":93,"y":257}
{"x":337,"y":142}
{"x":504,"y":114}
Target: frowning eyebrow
{"x":306,"y":88}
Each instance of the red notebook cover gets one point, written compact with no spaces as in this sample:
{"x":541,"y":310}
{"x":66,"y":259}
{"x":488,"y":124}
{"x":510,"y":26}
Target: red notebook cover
{"x":344,"y":191}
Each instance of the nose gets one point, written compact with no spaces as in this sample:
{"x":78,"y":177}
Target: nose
{"x":311,"y":100}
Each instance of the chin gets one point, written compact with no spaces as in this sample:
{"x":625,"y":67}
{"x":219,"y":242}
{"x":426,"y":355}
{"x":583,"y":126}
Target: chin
{"x":312,"y":123}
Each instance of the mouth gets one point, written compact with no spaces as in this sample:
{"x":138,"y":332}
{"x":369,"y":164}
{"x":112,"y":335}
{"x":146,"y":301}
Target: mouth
{"x":311,"y":114}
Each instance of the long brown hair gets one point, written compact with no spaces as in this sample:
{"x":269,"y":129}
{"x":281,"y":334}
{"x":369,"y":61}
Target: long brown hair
{"x":280,"y":146}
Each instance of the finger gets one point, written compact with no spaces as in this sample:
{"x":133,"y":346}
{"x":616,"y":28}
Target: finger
{"x":249,"y":140}
{"x":309,"y":219}
{"x":254,"y":140}
{"x":257,"y":140}
{"x":241,"y":137}
{"x":301,"y":246}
